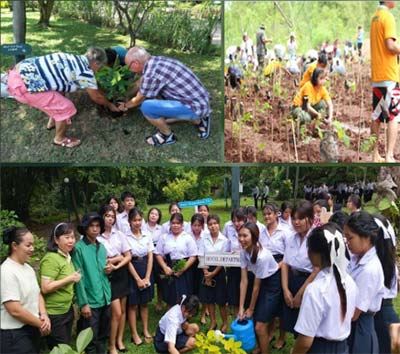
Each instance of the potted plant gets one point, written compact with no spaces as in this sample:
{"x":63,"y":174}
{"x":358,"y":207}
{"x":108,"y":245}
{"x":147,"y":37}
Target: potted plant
{"x":116,"y":82}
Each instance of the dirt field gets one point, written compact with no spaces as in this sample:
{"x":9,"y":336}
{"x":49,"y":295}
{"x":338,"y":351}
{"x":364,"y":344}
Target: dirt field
{"x":257,"y":128}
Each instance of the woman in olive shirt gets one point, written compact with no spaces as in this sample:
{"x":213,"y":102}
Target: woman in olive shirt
{"x":57,"y":278}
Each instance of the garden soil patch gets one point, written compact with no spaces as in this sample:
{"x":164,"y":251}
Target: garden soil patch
{"x":257,"y":128}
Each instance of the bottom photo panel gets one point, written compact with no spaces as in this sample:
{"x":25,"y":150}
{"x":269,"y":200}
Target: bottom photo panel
{"x":230,"y":259}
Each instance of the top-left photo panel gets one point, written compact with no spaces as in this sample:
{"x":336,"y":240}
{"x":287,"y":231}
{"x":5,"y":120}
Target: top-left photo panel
{"x":111,"y":81}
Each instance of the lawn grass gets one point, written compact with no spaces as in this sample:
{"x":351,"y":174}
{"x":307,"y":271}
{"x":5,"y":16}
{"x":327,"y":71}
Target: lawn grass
{"x":24,"y":138}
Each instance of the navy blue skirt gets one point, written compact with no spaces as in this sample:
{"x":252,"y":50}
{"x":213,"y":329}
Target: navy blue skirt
{"x":214,"y":295}
{"x":119,"y":283}
{"x":173,"y":287}
{"x":233,"y":284}
{"x":162,"y":347}
{"x":382,"y":320}
{"x":363,"y":338}
{"x":197,"y":274}
{"x":136,"y":295}
{"x":295,"y":282}
{"x":269,"y":301}
{"x":322,"y":345}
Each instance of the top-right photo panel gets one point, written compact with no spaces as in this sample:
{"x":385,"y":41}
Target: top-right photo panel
{"x":312,"y":81}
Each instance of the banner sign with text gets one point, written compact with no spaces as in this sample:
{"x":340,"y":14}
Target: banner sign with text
{"x":224,"y":259}
{"x":194,"y":203}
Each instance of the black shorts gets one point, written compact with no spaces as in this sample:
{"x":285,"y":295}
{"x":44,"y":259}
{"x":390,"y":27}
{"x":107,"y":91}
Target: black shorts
{"x":383,"y":97}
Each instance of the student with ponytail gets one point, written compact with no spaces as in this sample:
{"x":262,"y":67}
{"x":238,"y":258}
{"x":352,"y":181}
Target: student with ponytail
{"x":361,"y":232}
{"x":386,"y":246}
{"x":324,"y":321}
{"x":266,"y":296}
{"x":23,"y":312}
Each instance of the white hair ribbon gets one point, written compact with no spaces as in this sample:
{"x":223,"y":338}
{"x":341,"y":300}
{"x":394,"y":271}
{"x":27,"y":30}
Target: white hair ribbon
{"x":338,"y":256}
{"x":388,"y":232}
{"x":183,"y":299}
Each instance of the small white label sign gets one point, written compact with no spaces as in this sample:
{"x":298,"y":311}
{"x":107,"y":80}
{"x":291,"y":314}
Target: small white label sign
{"x":225,"y":259}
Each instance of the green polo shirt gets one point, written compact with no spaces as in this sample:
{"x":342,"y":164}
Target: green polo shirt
{"x":55,"y":266}
{"x":94,"y":288}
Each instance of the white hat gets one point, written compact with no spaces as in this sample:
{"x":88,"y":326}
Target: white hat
{"x":292,"y":34}
{"x":244,"y":33}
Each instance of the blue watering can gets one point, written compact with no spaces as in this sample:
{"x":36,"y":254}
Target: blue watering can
{"x":243,"y":331}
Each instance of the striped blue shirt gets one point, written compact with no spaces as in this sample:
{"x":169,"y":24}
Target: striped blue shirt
{"x":171,"y":80}
{"x":57,"y":72}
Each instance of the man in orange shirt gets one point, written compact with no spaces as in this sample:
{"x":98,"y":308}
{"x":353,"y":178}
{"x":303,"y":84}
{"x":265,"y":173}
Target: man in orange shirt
{"x":385,"y":77}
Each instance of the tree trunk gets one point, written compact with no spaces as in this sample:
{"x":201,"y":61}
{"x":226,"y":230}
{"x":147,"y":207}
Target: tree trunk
{"x":19,"y":25}
{"x":45,"y":7}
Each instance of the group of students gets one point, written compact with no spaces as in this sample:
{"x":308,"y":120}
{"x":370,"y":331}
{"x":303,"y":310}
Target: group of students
{"x":331,"y":286}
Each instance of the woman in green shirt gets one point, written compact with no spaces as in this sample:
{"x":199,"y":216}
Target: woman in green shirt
{"x":57,"y":278}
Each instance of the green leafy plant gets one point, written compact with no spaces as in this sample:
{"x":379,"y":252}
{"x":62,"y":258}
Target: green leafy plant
{"x":82,"y":341}
{"x":178,"y":266}
{"x":211,"y":343}
{"x":341,"y":133}
{"x":115,"y":82}
{"x":367,"y":145}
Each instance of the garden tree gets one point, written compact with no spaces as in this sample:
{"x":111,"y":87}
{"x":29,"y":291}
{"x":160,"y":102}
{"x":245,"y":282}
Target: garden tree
{"x":18,"y":185}
{"x":19,"y":25}
{"x":131,"y":15}
{"x":45,"y":8}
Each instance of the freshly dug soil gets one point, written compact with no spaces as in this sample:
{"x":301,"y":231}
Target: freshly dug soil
{"x":257,"y":128}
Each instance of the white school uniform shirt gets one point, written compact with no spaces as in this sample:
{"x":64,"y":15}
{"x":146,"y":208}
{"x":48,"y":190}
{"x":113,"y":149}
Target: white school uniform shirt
{"x":320,"y":311}
{"x":165,"y":227}
{"x":296,"y":254}
{"x":276,"y":242}
{"x":182,"y":246}
{"x":232,"y":236}
{"x":140,"y":246}
{"x":265,"y":265}
{"x":199,"y":240}
{"x":155,"y":232}
{"x":171,"y":323}
{"x":368,"y":275}
{"x":18,"y":283}
{"x":122,"y":223}
{"x":116,"y":244}
{"x":391,"y":293}
{"x":288,"y":223}
{"x":207,"y":244}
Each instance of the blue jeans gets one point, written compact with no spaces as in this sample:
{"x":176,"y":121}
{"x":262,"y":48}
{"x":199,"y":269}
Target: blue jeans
{"x":155,"y":109}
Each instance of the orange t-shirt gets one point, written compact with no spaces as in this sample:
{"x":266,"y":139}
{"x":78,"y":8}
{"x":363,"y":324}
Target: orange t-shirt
{"x":314,"y":95}
{"x":308,"y":74}
{"x":384,"y":65}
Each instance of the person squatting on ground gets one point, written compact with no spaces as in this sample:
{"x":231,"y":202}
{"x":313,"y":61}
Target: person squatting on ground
{"x":385,"y":78}
{"x":174,"y":333}
{"x":41,"y":82}
{"x":23,"y":314}
{"x":169,"y":92}
{"x":313,"y":99}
